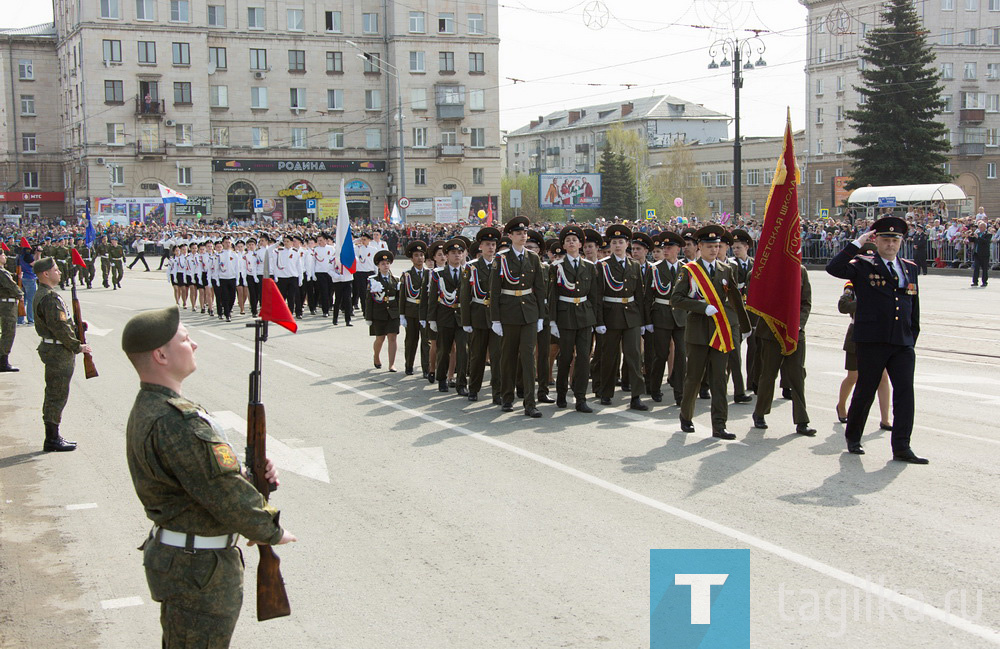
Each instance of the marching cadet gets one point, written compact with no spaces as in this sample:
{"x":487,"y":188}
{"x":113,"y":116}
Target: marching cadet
{"x":735,"y":357}
{"x":438,"y":258}
{"x":227,"y":271}
{"x":116,"y":257}
{"x":791,"y":367}
{"x":642,"y":244}
{"x":87,"y":253}
{"x":286,"y":267}
{"x":322,"y":265}
{"x":517,"y":311}
{"x":536,"y":244}
{"x":475,"y":298}
{"x":572,"y":301}
{"x":444,"y":317}
{"x":411,"y":289}
{"x":382,"y":296}
{"x":255,"y":270}
{"x":555,"y":251}
{"x":620,"y":316}
{"x":706,"y":288}
{"x":343,"y":285}
{"x":60,"y":252}
{"x":744,"y":269}
{"x":364,"y":253}
{"x":57,"y":349}
{"x":690,"y":244}
{"x":10,"y":294}
{"x":592,"y":244}
{"x":668,"y":322}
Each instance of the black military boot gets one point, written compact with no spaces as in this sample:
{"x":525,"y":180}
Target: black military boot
{"x":5,"y":365}
{"x":443,"y":386}
{"x":581,"y":405}
{"x":53,"y":442}
{"x":561,"y":399}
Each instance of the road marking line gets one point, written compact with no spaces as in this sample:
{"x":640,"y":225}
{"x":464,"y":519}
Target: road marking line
{"x":123,"y":308}
{"x":933,"y":430}
{"x":82,"y":506}
{"x":297,"y":368}
{"x":923,"y":356}
{"x":919,"y":607}
{"x":121,"y":603}
{"x":245,"y":348}
{"x":211,"y":335}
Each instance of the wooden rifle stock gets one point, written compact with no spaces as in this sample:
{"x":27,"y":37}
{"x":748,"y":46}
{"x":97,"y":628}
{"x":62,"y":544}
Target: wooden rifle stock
{"x":89,"y":369}
{"x":21,"y":305}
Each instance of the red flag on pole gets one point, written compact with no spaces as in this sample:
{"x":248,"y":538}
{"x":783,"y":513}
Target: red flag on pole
{"x":24,"y":243}
{"x":77,"y":259}
{"x":776,"y":284}
{"x":273,"y":307}
{"x":489,"y":210}
{"x":385,"y":213}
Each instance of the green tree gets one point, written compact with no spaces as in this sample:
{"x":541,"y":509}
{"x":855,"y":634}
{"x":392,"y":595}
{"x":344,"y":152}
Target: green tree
{"x":899,"y":140}
{"x":678,"y":179}
{"x":612,"y":184}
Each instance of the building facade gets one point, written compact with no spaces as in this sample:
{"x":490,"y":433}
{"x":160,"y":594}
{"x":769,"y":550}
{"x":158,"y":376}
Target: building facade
{"x":965,"y":37}
{"x":231,"y":101}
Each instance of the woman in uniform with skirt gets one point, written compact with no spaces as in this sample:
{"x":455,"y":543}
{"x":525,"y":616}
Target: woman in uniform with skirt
{"x":382,"y":308}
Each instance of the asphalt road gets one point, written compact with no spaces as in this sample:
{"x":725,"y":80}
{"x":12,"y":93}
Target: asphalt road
{"x":427,"y":521}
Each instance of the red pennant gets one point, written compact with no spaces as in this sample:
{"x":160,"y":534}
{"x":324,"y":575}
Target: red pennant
{"x":77,"y":259}
{"x":4,"y":246}
{"x":273,"y":307}
{"x":24,"y":243}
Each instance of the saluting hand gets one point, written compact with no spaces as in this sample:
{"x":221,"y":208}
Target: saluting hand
{"x":863,"y":239}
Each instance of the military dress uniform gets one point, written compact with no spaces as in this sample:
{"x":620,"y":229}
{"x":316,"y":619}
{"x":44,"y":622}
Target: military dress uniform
{"x":101,"y":250}
{"x":116,"y":256}
{"x":543,"y":339}
{"x":668,"y":324}
{"x":444,"y":311}
{"x":411,"y":289}
{"x":382,"y":307}
{"x":475,"y":299}
{"x":742,"y":270}
{"x":10,"y":294}
{"x":87,"y":254}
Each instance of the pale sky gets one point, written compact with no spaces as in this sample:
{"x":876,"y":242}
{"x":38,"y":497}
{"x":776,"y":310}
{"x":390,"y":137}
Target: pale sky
{"x":650,"y":43}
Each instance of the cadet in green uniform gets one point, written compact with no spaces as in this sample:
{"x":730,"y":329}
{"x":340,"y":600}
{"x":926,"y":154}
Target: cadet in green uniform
{"x":58,"y":350}
{"x":87,"y":253}
{"x":60,"y":252}
{"x":411,"y":287}
{"x":10,"y":293}
{"x":382,"y":308}
{"x":668,"y":322}
{"x":536,"y":244}
{"x":189,"y":481}
{"x":475,"y":298}
{"x":436,"y":259}
{"x":444,"y":317}
{"x":101,"y":250}
{"x":116,"y":255}
{"x":592,"y":244}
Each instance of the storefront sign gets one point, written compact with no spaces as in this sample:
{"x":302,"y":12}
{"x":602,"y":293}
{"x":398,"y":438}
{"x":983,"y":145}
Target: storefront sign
{"x":194,"y":205}
{"x":315,"y":166}
{"x":41,"y":197}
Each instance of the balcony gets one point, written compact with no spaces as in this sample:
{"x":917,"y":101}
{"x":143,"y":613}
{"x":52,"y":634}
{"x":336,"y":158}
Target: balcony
{"x":972,"y":115}
{"x":153,"y":109}
{"x":450,"y":111}
{"x":583,"y":148}
{"x":151,"y":150}
{"x":971,"y":149}
{"x":451,"y":152}
{"x":552,"y":150}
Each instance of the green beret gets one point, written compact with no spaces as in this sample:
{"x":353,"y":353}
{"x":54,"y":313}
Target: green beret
{"x":43,"y":264}
{"x":150,"y":330}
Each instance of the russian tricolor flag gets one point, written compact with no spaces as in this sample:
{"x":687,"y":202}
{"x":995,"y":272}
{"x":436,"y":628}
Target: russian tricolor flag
{"x":172,"y":196}
{"x":345,"y":242}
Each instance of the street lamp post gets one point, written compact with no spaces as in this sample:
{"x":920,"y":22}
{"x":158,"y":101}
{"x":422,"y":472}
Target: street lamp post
{"x":738,"y":49}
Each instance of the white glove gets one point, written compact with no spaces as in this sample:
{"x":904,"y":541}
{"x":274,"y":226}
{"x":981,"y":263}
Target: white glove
{"x":368,"y":322}
{"x":497,"y":328}
{"x":467,"y":330}
{"x":434,"y":325}
{"x":541,"y":323}
{"x":601,"y":330}
{"x":554,"y":329}
{"x":402,"y":321}
{"x":710,"y":310}
{"x":374,"y":285}
{"x":649,"y":329}
{"x":423,"y":323}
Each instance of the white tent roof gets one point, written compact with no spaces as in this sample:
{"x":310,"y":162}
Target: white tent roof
{"x":907,"y":194}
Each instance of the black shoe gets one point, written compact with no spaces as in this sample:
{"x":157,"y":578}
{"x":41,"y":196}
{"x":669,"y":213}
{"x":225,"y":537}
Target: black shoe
{"x":677,"y":401}
{"x":473,"y":396}
{"x":804,"y":429}
{"x":910,"y":456}
{"x":703,"y":394}
{"x":657,"y":397}
{"x":786,"y":393}
{"x":581,"y":406}
{"x":451,"y":383}
{"x":430,"y":377}
{"x":532,"y":412}
{"x":409,"y":371}
{"x":5,"y":365}
{"x":626,"y":387}
{"x":423,"y":374}
{"x":462,"y":391}
{"x":544,"y":398}
{"x":758,"y":422}
{"x":519,"y":394}
{"x":687,"y":425}
{"x":635,"y":404}
{"x":348,"y":324}
{"x":742,"y":398}
{"x":723,"y":434}
{"x":334,"y":322}
{"x":53,"y":442}
{"x":442,"y":386}
{"x":378,"y":366}
{"x":885,"y":426}
{"x":508,"y":406}
{"x":843,"y":419}
{"x":106,"y":285}
{"x":497,"y":401}
{"x":855,"y":449}
{"x":605,"y":401}
{"x":974,"y":285}
{"x":228,"y":319}
{"x":561,"y":400}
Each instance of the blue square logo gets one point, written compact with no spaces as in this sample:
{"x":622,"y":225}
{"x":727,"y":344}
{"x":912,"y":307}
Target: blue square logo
{"x":699,"y":599}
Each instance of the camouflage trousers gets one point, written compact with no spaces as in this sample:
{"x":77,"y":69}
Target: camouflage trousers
{"x":59,"y":365}
{"x":105,"y":269}
{"x":117,"y":270}
{"x":8,"y":323}
{"x":200,"y":594}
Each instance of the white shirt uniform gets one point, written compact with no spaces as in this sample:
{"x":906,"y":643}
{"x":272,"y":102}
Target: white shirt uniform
{"x":285,"y":262}
{"x":322,"y":260}
{"x":228,"y":265}
{"x":365,"y":256}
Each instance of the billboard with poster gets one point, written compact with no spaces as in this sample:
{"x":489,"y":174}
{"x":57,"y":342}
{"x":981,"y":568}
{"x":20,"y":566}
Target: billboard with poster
{"x":839,"y":193}
{"x":569,"y":191}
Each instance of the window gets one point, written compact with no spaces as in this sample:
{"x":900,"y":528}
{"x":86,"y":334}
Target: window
{"x":217,"y":57}
{"x":973,"y":99}
{"x":218,"y":96}
{"x":819,"y":115}
{"x":819,"y":86}
{"x":821,"y":26}
{"x":145,"y":9}
{"x":112,"y":51}
{"x":27,"y":105}
{"x":450,"y":95}
{"x":947,"y":70}
{"x":109,"y":9}
{"x":216,"y":16}
{"x":970,"y":36}
{"x":220,"y":136}
{"x":114,"y":92}
{"x":753,"y":176}
{"x":182,"y":134}
{"x":418,"y":98}
{"x":296,"y":60}
{"x":182,"y":92}
{"x":947,"y":36}
{"x":994,"y":35}
{"x":821,"y":55}
{"x":334,"y":61}
{"x":753,"y":207}
{"x":419,"y":176}
{"x":259,"y":137}
{"x":418,"y":22}
{"x":994,"y":5}
{"x":949,"y":103}
{"x":862,"y":99}
{"x":819,"y":147}
{"x":335,"y":138}
{"x":477,"y":100}
{"x":446,"y":23}
{"x":255,"y":18}
{"x":841,"y":52}
{"x":116,"y":134}
{"x":446,"y":61}
{"x":147,"y":52}
{"x":258,"y":59}
{"x":181,"y":53}
{"x":28,"y":144}
{"x":819,"y":207}
{"x":478,"y":176}
{"x":991,"y":136}
{"x":947,"y":5}
{"x":117,"y":175}
{"x":25,"y":70}
{"x":476,"y":63}
{"x":991,"y":171}
{"x":333,"y":21}
{"x":183,"y":175}
{"x":721,"y":179}
{"x":373,"y":138}
{"x":417,"y":62}
{"x":372,"y":63}
{"x":300,"y":138}
{"x":369,"y":23}
{"x":478,"y":139}
{"x":335,"y":99}
{"x":840,"y":113}
{"x":970,"y":71}
{"x":972,"y":5}
{"x":992,"y":103}
{"x":30,"y":179}
{"x":373,"y":100}
{"x":706,"y":178}
{"x":993,"y":70}
{"x":420,"y":137}
{"x":840,"y":145}
{"x":297,"y":98}
{"x":296,"y":20}
{"x":258,"y":98}
{"x":840,"y":84}
{"x":477,"y":25}
{"x":180,"y":11}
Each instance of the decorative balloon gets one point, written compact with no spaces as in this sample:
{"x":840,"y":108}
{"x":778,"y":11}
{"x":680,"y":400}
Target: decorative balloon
{"x":197,"y":215}
{"x":305,"y":219}
{"x":481,"y":214}
{"x":678,"y":202}
{"x":62,"y":223}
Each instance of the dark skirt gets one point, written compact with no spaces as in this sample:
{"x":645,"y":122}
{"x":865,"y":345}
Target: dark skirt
{"x":384,"y":327}
{"x":851,"y":362}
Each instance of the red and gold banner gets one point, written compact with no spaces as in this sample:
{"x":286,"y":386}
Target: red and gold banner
{"x":722,"y":339}
{"x":776,"y":284}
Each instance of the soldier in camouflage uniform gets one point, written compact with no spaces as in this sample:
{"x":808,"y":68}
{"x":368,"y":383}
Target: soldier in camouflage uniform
{"x":58,"y":350}
{"x":101,"y":250}
{"x":87,"y":254}
{"x":116,"y":255}
{"x":61,"y":254}
{"x":189,"y":480}
{"x":10,"y":293}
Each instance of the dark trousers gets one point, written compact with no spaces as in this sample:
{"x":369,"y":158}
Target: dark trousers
{"x":517,"y":349}
{"x":289,"y":288}
{"x":445,"y":337}
{"x":574,"y":341}
{"x":543,"y":351}
{"x":705,"y":361}
{"x":225,"y":294}
{"x":873,"y":360}
{"x":736,"y":366}
{"x":254,"y":290}
{"x":164,"y":256}
{"x":661,"y":347}
{"x":324,"y":292}
{"x":306,"y":292}
{"x":619,"y":343}
{"x":980,"y":264}
{"x":142,"y":257}
{"x":415,"y":336}
{"x":342,"y":300}
{"x":793,"y":376}
{"x":360,"y":282}
{"x":648,"y":358}
{"x":595,"y":363}
{"x":753,"y":364}
{"x":482,"y":341}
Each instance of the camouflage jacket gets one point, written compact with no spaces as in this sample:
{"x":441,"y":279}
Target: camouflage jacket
{"x":8,"y":286}
{"x":53,"y":320}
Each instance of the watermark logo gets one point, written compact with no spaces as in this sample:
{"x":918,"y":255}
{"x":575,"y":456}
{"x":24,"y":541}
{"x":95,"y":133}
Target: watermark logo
{"x":699,"y":599}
